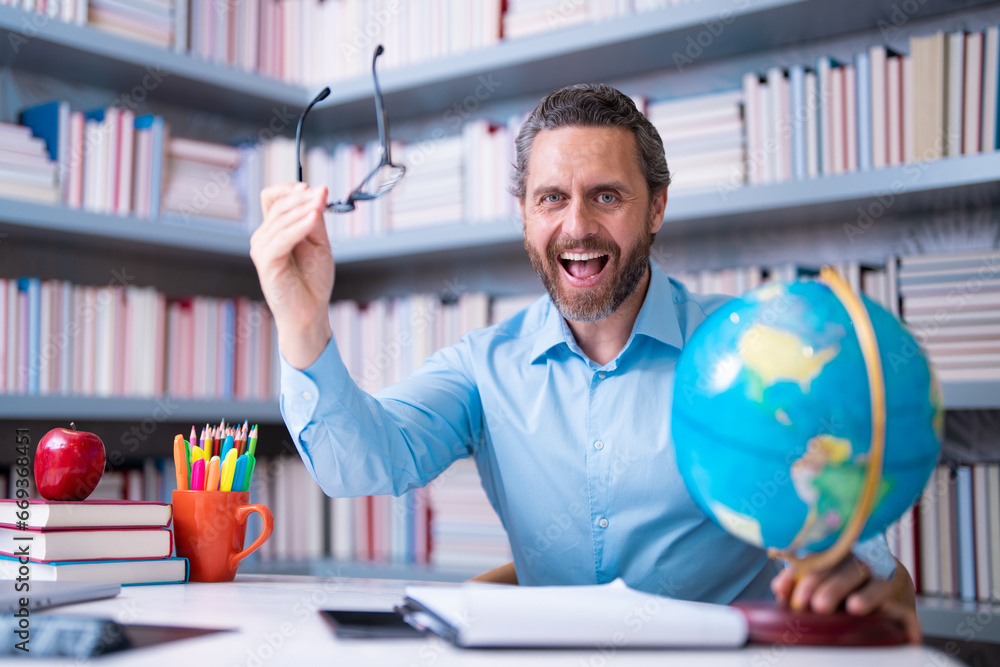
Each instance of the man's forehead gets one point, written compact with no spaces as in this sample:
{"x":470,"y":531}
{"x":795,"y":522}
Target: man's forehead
{"x":567,"y":134}
{"x":611,"y":147}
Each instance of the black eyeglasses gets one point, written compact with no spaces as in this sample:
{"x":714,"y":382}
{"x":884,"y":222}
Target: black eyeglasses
{"x":382,"y":178}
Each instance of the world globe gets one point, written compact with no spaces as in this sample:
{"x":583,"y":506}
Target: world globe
{"x":773,"y":418}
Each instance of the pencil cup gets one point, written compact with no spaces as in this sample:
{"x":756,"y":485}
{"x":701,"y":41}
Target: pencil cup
{"x":209,"y":529}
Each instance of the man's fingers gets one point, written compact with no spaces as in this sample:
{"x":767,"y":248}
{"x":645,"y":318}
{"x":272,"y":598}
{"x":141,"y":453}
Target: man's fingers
{"x":272,"y":193}
{"x":868,"y":598}
{"x":292,"y":200}
{"x":803,"y":590}
{"x":849,"y":575}
{"x":278,"y":238}
{"x":782,"y":585}
{"x":291,"y":210}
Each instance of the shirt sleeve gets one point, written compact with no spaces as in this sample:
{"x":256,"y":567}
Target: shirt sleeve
{"x":356,"y":444}
{"x":874,"y":552}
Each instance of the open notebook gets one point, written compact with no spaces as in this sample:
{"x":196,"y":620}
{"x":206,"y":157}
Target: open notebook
{"x":493,"y":615}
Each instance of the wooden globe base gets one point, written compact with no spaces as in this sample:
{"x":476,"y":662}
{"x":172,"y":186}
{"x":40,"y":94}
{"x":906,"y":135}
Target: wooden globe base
{"x":770,"y":623}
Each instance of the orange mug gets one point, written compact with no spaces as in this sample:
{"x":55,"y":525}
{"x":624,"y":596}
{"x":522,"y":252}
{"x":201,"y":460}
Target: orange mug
{"x":209,"y":529}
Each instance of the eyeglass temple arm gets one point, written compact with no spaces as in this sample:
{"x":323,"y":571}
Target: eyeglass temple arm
{"x":323,"y":94}
{"x":380,"y":110}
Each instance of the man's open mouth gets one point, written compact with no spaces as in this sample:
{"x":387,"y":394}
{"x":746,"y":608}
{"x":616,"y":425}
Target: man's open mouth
{"x":583,"y":266}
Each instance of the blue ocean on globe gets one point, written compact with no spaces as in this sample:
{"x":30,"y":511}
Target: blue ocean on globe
{"x":772,"y":417}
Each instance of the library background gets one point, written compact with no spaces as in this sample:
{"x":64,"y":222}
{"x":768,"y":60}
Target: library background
{"x":136,"y":136}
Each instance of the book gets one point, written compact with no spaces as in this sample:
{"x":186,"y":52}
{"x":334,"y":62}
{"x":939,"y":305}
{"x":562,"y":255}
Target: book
{"x":85,"y":543}
{"x":965,"y":528}
{"x":86,"y":513}
{"x":991,"y":72}
{"x":980,"y":532}
{"x":50,"y":122}
{"x":125,"y":572}
{"x":492,"y":615}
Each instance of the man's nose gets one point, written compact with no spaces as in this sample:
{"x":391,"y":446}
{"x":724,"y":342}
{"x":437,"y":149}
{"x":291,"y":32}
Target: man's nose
{"x":579,"y":220}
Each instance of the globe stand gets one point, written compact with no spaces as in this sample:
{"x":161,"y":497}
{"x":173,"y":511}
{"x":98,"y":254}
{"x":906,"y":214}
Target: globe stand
{"x":771,"y":623}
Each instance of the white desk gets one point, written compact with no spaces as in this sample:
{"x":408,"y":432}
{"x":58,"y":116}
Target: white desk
{"x":275,"y":623}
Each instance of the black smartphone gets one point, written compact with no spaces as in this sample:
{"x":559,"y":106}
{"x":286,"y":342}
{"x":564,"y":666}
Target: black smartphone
{"x":369,"y":624}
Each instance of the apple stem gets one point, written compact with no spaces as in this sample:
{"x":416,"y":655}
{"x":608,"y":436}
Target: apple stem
{"x":72,"y":425}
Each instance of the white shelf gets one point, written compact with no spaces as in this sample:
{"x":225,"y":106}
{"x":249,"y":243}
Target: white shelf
{"x":968,"y":181}
{"x":972,"y":395}
{"x":945,"y":184}
{"x":117,"y":408}
{"x":614,"y":49}
{"x":958,"y":619}
{"x":33,"y":42}
{"x":46,"y":221}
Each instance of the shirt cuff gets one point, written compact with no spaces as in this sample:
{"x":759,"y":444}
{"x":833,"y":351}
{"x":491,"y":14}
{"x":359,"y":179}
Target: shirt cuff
{"x":301,"y":390}
{"x":874,"y":552}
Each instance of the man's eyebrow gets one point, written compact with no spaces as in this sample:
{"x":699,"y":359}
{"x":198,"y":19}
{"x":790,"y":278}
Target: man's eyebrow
{"x":545,"y":190}
{"x":617,"y":186}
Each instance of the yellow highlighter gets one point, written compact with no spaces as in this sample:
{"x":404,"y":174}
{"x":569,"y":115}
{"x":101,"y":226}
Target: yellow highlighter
{"x":180,"y":465}
{"x":214,"y":473}
{"x":228,"y":468}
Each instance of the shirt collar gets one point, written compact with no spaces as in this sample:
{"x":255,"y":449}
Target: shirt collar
{"x":657,"y":319}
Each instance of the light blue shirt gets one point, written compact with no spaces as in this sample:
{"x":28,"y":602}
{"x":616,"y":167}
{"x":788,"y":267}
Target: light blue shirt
{"x":575,"y":457}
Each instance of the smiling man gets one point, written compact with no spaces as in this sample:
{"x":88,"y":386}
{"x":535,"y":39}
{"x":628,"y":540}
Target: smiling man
{"x":565,"y":406}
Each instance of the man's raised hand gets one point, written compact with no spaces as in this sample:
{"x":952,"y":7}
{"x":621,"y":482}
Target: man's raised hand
{"x":295,"y":265}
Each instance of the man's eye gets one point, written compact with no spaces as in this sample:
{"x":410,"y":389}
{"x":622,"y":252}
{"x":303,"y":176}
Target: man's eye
{"x":606,"y":198}
{"x":551,"y":199}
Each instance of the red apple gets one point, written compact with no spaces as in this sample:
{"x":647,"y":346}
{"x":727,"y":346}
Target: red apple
{"x":68,"y":464}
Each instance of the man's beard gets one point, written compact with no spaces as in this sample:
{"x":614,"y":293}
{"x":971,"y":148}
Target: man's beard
{"x":599,"y":302}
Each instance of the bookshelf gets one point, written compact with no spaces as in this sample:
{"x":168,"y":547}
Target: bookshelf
{"x":615,"y":49}
{"x":633,"y":49}
{"x":131,"y":409}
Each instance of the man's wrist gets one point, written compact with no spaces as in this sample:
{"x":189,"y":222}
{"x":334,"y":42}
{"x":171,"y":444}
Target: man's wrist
{"x":302,"y":347}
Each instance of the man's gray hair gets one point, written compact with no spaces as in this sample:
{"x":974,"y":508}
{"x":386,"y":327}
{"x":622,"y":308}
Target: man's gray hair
{"x":592,"y":105}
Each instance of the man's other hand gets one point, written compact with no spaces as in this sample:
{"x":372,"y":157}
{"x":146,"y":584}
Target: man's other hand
{"x":851,"y":585}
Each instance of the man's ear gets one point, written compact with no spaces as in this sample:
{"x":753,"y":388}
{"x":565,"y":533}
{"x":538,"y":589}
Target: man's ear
{"x":659,"y":205}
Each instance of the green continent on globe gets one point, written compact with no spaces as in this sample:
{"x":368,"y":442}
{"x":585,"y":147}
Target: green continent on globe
{"x":773,"y":355}
{"x":828,"y":480}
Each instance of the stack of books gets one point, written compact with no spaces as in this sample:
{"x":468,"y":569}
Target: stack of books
{"x":26,"y":169}
{"x":201,"y":180}
{"x":703,"y":139}
{"x":523,"y":18}
{"x":122,"y":542}
{"x":951,"y":303}
{"x":466,"y":532}
{"x":150,"y":21}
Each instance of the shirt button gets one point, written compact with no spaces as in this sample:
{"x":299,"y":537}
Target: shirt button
{"x":598,"y":445}
{"x":603,"y":523}
{"x":602,"y":375}
{"x":306,"y":395}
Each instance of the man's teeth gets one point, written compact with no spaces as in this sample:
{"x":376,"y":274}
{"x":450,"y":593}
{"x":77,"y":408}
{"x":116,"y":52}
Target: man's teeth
{"x":581,"y":256}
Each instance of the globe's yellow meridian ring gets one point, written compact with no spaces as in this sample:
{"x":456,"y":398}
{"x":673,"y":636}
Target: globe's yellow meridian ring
{"x":873,"y":475}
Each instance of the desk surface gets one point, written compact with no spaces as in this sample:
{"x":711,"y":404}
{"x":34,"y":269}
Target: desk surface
{"x":275,"y":623}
